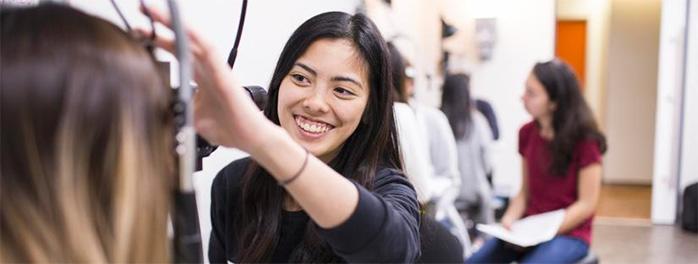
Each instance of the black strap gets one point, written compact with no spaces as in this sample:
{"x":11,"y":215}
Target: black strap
{"x":234,"y":51}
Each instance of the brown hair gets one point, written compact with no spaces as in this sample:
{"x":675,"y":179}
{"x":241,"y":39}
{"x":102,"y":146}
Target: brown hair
{"x":457,"y":104}
{"x":573,"y":120}
{"x":86,"y":174}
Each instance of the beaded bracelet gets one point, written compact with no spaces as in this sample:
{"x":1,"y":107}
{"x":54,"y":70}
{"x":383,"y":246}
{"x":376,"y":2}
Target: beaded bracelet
{"x":295,"y":176}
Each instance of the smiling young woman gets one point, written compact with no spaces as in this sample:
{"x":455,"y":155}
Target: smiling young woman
{"x":347,"y":202}
{"x":323,"y":97}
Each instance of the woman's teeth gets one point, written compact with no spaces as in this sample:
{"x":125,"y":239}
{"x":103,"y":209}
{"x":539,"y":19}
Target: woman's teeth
{"x":312,"y":127}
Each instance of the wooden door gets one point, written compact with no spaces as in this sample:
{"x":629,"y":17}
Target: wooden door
{"x":570,"y":46}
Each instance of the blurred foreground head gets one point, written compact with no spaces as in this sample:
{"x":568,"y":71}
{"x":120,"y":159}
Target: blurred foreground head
{"x":86,"y":141}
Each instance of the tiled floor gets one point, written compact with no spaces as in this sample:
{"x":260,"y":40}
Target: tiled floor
{"x":628,"y":241}
{"x":623,"y":232}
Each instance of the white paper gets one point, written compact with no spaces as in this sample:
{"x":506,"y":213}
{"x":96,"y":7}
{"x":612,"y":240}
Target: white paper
{"x":529,"y":231}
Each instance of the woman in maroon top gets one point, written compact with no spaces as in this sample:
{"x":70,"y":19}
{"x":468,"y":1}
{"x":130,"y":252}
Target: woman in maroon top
{"x":561,"y":151}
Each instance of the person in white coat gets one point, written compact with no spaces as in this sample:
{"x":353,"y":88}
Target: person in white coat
{"x":433,"y":155}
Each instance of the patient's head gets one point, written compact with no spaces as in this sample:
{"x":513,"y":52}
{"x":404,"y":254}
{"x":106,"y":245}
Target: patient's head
{"x":86,"y":146}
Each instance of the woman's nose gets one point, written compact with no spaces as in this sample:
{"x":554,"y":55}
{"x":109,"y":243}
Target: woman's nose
{"x":316,"y":101}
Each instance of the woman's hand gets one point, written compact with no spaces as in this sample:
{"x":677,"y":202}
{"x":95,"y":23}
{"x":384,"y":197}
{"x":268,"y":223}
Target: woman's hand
{"x":507,"y":221}
{"x":517,"y":205}
{"x":223,"y":113}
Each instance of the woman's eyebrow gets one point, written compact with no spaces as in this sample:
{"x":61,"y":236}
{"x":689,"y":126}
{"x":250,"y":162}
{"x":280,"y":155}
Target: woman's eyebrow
{"x":307,"y":68}
{"x":336,"y":78}
{"x":347,"y":79}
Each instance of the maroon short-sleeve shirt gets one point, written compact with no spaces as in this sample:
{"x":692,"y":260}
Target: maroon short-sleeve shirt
{"x":548,"y":192}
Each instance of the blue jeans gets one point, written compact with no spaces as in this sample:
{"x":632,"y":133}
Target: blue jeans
{"x":561,"y":249}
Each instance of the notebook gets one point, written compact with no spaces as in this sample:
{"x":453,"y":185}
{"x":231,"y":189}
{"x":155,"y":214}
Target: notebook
{"x":529,"y":231}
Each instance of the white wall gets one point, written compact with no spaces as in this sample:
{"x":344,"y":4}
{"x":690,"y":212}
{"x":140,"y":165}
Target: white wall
{"x":525,"y":35}
{"x":631,"y":91}
{"x":597,"y":15}
{"x":573,"y":9}
{"x":268,"y":25}
{"x":669,"y":81}
{"x":414,"y":27}
{"x":689,"y":155}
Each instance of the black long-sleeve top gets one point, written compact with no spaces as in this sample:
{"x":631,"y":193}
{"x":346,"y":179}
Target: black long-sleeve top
{"x":383,"y":228}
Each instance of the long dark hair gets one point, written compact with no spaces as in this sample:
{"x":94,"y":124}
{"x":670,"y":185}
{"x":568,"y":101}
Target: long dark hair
{"x":397,"y":63}
{"x":85,"y":117}
{"x":456,"y":103}
{"x":572,"y":118}
{"x":373,"y":143}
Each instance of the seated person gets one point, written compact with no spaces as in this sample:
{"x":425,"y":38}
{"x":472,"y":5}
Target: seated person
{"x":433,"y":131}
{"x":473,"y":140}
{"x":561,"y":152}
